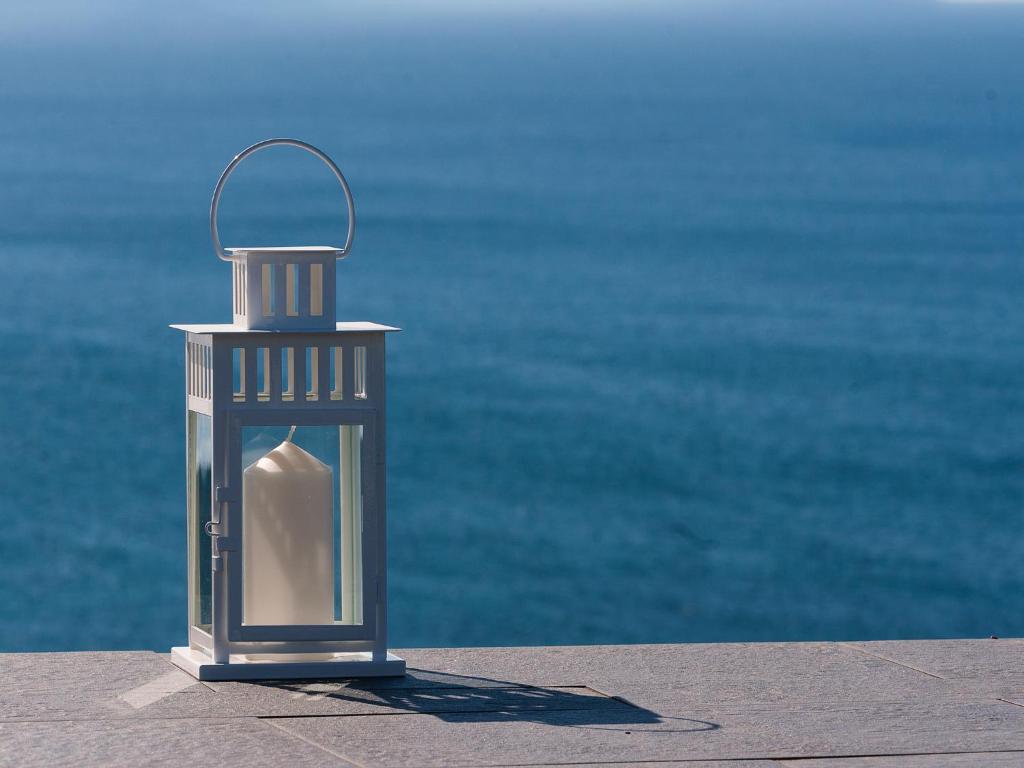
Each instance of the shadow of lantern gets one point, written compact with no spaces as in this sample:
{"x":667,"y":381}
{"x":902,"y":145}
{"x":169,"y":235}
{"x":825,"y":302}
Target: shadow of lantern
{"x":464,"y":698}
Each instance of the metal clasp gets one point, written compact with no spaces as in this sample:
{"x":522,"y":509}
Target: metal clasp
{"x":221,"y":543}
{"x":222,"y":496}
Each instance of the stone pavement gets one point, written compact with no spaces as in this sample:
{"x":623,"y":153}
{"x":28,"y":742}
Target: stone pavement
{"x":906,"y":704}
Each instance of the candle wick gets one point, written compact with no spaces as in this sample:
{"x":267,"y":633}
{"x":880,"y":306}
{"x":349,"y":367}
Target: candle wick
{"x":290,"y":433}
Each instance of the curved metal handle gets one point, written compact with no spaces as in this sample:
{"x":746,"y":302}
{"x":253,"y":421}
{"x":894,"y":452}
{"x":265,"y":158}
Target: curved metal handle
{"x":215,"y":202}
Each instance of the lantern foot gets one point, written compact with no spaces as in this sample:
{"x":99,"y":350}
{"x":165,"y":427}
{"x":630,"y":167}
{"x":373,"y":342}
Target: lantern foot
{"x":262,"y":667}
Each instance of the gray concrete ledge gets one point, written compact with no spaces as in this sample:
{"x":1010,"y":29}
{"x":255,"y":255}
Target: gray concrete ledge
{"x":906,"y":704}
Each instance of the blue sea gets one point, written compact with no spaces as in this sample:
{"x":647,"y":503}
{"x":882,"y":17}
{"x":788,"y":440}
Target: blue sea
{"x":713,"y":314}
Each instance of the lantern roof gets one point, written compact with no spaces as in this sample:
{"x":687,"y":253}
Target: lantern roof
{"x":286,"y":250}
{"x":361,"y":326}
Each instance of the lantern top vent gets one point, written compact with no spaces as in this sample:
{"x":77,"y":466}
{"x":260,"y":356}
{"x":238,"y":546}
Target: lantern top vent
{"x":283,"y":288}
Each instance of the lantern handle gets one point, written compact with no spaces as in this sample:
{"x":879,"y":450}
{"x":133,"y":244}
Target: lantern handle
{"x":215,"y":202}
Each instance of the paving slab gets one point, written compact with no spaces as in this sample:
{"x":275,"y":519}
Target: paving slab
{"x":538,"y":738}
{"x":994,"y":666}
{"x":679,"y":764}
{"x":963,"y":760}
{"x":175,"y":742}
{"x":98,"y":685}
{"x":811,"y":704}
{"x":63,"y":672}
{"x":658,"y":675}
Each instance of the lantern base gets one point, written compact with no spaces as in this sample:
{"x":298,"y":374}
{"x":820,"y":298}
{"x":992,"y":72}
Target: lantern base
{"x":241,"y":667}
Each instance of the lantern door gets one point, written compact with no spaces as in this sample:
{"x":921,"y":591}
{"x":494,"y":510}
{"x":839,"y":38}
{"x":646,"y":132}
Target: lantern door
{"x":303,"y":515}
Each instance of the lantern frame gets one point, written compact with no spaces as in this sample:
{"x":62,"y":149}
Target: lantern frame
{"x":210,"y":352}
{"x":291,"y":367}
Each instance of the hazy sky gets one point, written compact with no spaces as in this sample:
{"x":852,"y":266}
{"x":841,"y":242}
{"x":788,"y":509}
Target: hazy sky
{"x":27,"y":21}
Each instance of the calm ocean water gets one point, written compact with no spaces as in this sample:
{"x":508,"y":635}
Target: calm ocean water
{"x":713,"y":326}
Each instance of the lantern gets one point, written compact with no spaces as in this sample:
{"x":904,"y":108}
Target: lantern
{"x":286,"y":472}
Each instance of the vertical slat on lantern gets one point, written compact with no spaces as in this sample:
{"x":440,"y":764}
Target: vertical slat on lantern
{"x":376,"y":392}
{"x":312,"y":355}
{"x":249,"y":371}
{"x":303,"y":289}
{"x":280,"y":290}
{"x":375,"y":359}
{"x":275,"y":374}
{"x":347,"y":372}
{"x":299,"y":373}
{"x":324,"y":353}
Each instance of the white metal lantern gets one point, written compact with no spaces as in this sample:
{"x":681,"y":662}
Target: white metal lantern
{"x":286,"y":472}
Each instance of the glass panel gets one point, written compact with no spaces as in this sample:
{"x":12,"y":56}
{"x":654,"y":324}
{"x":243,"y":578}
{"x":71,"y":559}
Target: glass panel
{"x":200,"y":506}
{"x":302,"y":522}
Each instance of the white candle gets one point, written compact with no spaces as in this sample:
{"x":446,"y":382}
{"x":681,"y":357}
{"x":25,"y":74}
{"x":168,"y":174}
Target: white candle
{"x":287,"y":532}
